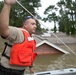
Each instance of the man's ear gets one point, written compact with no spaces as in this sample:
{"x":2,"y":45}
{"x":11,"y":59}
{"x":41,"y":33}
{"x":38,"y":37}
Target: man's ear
{"x":24,"y":25}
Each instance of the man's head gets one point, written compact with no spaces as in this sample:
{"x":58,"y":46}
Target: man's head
{"x":29,"y":24}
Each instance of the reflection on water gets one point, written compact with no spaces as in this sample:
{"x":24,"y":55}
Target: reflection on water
{"x":54,"y":62}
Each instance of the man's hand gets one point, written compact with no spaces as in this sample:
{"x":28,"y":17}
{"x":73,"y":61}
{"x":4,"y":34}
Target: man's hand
{"x":10,"y":2}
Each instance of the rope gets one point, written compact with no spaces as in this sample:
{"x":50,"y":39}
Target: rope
{"x":45,"y":26}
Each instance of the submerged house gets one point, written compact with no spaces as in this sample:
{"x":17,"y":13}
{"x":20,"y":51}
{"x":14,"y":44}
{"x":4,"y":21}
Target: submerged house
{"x":45,"y":45}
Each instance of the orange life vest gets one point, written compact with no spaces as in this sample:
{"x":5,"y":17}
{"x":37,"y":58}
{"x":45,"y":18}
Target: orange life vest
{"x":23,"y":54}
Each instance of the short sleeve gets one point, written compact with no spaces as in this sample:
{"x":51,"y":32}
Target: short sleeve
{"x":15,"y":35}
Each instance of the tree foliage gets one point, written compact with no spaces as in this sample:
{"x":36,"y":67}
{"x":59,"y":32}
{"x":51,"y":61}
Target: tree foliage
{"x":51,"y":15}
{"x":66,"y":18}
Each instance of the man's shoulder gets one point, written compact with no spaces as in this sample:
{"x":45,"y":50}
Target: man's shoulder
{"x":16,"y":34}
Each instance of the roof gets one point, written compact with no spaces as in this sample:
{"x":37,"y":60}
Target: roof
{"x":40,"y":40}
{"x":51,"y":44}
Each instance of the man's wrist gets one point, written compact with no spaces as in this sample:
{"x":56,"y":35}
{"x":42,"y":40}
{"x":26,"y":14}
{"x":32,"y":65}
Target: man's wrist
{"x":7,"y":5}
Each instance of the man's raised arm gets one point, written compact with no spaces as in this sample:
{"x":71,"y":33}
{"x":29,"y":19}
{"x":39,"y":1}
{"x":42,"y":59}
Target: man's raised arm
{"x":4,"y":17}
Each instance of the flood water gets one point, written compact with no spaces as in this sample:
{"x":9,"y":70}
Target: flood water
{"x":54,"y":62}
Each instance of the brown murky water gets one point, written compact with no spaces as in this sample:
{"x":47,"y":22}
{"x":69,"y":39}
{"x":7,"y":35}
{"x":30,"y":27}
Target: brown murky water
{"x":52,"y":62}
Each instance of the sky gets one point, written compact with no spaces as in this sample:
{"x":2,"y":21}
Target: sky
{"x":45,"y":4}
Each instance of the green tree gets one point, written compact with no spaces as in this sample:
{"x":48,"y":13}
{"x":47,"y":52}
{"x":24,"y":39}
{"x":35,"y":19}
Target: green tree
{"x":55,"y":28}
{"x":1,"y":5}
{"x":70,"y":6}
{"x":67,"y":22}
{"x":61,"y":5}
{"x":51,"y":15}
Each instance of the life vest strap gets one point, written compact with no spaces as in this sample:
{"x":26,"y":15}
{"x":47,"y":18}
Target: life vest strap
{"x":3,"y":53}
{"x":7,"y":44}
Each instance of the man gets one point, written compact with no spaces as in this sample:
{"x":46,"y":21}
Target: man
{"x":20,"y":43}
